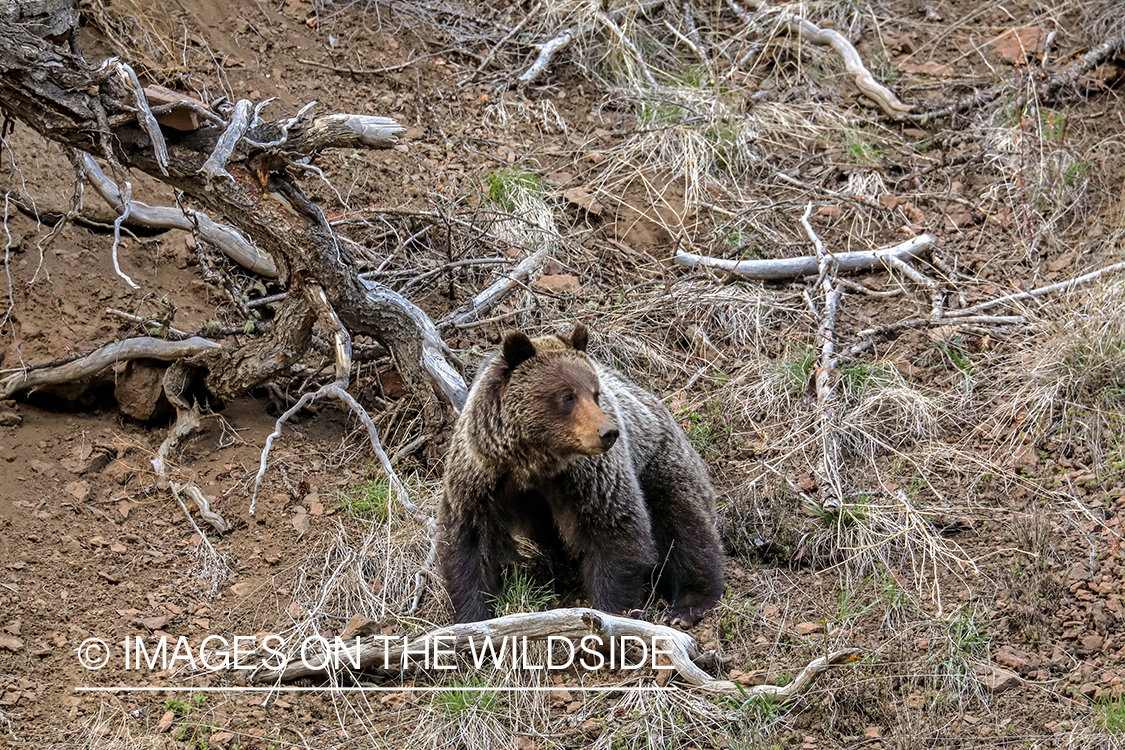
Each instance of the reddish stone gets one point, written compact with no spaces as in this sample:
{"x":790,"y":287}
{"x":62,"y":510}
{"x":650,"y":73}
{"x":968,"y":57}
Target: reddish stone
{"x":1014,"y":45}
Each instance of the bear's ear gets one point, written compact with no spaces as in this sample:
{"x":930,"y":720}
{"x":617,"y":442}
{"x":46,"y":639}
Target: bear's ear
{"x":581,"y":337}
{"x":517,"y":349}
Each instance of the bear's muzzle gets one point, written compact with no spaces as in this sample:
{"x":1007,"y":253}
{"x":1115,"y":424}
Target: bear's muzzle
{"x":608,"y":434}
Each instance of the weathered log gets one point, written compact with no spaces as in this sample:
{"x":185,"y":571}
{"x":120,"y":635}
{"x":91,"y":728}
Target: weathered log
{"x":807,"y":265}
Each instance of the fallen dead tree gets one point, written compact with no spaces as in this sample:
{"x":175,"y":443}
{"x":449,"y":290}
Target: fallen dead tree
{"x":682,"y":650}
{"x":245,"y":171}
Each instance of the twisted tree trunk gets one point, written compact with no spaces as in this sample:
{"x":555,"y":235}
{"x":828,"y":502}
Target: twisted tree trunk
{"x":245,"y":175}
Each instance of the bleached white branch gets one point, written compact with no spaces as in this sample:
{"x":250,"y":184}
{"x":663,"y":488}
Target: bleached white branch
{"x":145,"y":118}
{"x":806,"y":265}
{"x":370,"y":131}
{"x":573,"y":623}
{"x":866,"y":82}
{"x":832,"y":451}
{"x":240,"y":121}
{"x":546,"y":52}
{"x":499,"y":289}
{"x":226,"y":239}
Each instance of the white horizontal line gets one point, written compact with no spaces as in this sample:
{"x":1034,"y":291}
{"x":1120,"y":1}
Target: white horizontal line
{"x":375,"y":689}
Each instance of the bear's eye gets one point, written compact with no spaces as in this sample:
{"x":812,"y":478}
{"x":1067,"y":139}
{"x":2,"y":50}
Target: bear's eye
{"x":597,"y":395}
{"x":568,"y":398}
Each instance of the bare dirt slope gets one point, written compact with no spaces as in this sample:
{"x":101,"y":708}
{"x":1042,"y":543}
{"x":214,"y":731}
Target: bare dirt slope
{"x":976,"y":462}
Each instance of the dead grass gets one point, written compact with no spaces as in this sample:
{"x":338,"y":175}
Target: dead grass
{"x":1068,"y":379}
{"x":1040,"y":150}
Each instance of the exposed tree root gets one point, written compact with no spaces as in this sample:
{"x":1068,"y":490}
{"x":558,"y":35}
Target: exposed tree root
{"x":337,"y":389}
{"x":683,"y":650}
{"x":92,"y":109}
{"x":142,"y":347}
{"x":187,"y":422}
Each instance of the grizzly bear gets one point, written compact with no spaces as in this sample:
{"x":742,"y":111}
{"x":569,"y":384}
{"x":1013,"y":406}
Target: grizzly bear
{"x":561,"y":450}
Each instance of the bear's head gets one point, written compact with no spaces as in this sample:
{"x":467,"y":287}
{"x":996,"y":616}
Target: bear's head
{"x":552,"y":394}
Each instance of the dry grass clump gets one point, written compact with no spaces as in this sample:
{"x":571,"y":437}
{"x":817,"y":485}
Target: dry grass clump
{"x":1072,"y":378}
{"x":526,"y":219}
{"x":884,"y":412}
{"x":466,"y":713}
{"x":877,"y":414}
{"x":879,"y":410}
{"x":506,"y":114}
{"x":651,"y":328}
{"x":368,"y":566}
{"x":712,"y":143}
{"x":1043,"y":167}
{"x":669,"y":720}
{"x":477,"y":709}
{"x":958,"y":647}
{"x":764,"y":517}
{"x":873,"y":533}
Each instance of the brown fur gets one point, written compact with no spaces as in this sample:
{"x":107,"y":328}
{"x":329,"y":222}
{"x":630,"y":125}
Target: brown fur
{"x":559,"y":449}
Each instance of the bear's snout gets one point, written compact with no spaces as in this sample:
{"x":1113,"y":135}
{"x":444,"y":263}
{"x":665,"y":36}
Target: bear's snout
{"x":608,"y":434}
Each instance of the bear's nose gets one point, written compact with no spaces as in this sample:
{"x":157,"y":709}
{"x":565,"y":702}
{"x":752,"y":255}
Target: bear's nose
{"x":608,"y":434}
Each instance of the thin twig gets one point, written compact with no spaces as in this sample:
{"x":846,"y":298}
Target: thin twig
{"x":1061,"y":286}
{"x":905,"y":268}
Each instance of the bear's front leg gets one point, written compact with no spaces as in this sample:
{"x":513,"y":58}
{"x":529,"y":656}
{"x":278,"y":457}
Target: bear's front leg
{"x":615,"y":582}
{"x":468,"y":576}
{"x":474,"y":547}
{"x":602,"y":519}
